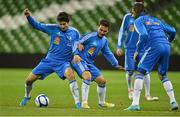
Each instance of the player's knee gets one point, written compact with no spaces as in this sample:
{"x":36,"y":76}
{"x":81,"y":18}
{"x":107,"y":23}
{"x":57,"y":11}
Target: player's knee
{"x":69,"y":73}
{"x":31,"y":78}
{"x":129,"y":72}
{"x":86,"y":75}
{"x":102,"y":82}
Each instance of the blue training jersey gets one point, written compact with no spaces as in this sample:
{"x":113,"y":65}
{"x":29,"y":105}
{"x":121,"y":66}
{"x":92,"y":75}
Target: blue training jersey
{"x":93,"y":44}
{"x":127,"y":33}
{"x":61,"y":42}
{"x":152,"y":32}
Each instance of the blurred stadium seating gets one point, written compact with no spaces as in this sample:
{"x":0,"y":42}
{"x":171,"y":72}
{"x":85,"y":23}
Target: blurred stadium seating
{"x":16,"y":36}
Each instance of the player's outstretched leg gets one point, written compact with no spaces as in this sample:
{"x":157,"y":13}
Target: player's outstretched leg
{"x":28,"y":87}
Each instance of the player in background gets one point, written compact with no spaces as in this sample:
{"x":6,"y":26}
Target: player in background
{"x":153,"y":38}
{"x":62,"y":38}
{"x":130,"y":36}
{"x":83,"y":62}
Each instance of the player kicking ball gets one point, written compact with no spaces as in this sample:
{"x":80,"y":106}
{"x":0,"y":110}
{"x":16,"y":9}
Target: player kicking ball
{"x":62,"y":38}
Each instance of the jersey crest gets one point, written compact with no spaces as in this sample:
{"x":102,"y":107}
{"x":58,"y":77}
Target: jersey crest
{"x":57,"y":40}
{"x":91,"y":50}
{"x":131,"y":28}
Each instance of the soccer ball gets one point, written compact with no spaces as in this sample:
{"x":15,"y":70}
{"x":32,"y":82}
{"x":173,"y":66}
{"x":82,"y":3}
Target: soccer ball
{"x":42,"y":100}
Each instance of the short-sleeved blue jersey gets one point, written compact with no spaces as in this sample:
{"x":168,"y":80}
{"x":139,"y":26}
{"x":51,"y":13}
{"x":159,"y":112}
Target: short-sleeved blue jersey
{"x":93,"y":44}
{"x":152,"y":32}
{"x":61,"y":42}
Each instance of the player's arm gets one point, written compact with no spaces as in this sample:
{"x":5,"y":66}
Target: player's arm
{"x":109,"y":55}
{"x":79,"y":45}
{"x":35,"y":24}
{"x":81,"y":41}
{"x":170,"y":30}
{"x":121,"y":35}
{"x":76,"y":44}
{"x":143,"y":34}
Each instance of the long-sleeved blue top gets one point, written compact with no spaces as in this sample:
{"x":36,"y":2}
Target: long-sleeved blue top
{"x":152,"y":31}
{"x":93,"y":44}
{"x":61,"y":42}
{"x":127,"y":33}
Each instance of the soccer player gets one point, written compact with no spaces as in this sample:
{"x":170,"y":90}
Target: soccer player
{"x":62,"y":39}
{"x":130,"y":36}
{"x":152,"y":37}
{"x":83,"y":62}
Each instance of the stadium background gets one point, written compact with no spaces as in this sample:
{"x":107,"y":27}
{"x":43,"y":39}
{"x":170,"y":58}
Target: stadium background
{"x":22,"y":46}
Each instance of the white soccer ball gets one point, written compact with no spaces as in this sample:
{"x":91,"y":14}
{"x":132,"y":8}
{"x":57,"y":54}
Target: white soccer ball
{"x":42,"y":100}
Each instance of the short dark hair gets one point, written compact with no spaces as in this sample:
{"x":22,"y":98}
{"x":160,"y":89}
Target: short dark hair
{"x":63,"y":16}
{"x":105,"y":23}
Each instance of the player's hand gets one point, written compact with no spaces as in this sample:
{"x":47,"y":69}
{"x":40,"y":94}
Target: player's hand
{"x":119,"y":52}
{"x":80,"y":47}
{"x":27,"y":12}
{"x":120,"y":67}
{"x":135,"y":56}
{"x":76,"y":59}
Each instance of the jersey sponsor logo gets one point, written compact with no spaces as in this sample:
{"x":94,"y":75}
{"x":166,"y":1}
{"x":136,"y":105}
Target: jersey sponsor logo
{"x":148,"y":23}
{"x":91,"y":50}
{"x":57,"y":40}
{"x":131,"y":28}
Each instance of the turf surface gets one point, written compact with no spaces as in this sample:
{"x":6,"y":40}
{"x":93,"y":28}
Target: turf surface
{"x":61,"y":101}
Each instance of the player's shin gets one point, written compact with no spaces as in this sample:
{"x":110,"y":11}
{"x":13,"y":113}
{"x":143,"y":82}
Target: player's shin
{"x":147,"y":84}
{"x":85,"y":90}
{"x":129,"y":80}
{"x":138,"y":85}
{"x":28,"y":88}
{"x":169,"y":89}
{"x":74,"y":90}
{"x":101,"y":90}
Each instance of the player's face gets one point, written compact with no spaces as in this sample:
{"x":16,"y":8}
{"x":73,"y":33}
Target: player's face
{"x":136,"y":11}
{"x":64,"y":25}
{"x":102,"y":31}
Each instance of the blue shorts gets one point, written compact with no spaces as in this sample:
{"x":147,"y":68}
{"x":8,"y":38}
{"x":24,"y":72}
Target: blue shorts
{"x":46,"y":67}
{"x":156,"y":55}
{"x":129,"y":61}
{"x":84,"y":66}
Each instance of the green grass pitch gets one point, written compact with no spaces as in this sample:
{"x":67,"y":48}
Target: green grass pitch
{"x":61,"y":101}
